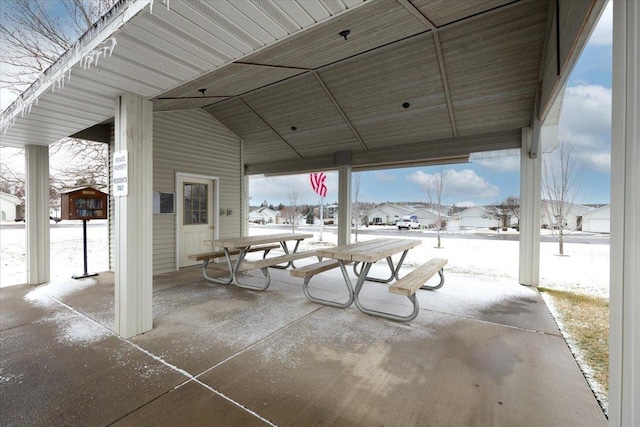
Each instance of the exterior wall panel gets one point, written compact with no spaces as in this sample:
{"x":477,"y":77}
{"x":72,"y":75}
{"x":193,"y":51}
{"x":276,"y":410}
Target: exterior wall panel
{"x":191,"y":141}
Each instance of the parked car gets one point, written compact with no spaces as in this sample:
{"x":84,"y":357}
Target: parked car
{"x":408,"y":223}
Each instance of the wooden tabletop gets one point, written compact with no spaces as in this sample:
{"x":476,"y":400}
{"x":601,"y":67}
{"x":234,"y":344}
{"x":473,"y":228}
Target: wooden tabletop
{"x":246,"y":241}
{"x":370,"y":250}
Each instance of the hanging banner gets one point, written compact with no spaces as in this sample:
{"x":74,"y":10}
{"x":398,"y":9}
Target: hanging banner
{"x":317,"y":183}
{"x":120,"y":174}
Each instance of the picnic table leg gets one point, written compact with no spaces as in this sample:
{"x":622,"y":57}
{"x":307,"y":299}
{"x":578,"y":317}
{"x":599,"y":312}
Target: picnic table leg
{"x":438,"y":286}
{"x":285,"y":248}
{"x":265,"y":272}
{"x":227,"y":281}
{"x":394,"y":270}
{"x":345,"y":274}
{"x":371,"y":312}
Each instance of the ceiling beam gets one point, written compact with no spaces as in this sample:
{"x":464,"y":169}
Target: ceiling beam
{"x":451,"y":150}
{"x":259,"y":117}
{"x":335,"y":104}
{"x":443,"y":72}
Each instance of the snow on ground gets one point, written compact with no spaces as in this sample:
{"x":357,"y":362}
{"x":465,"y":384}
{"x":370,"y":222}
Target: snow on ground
{"x":585,"y":269}
{"x":67,"y":257}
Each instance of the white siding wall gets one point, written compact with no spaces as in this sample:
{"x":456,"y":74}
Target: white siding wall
{"x":191,"y":141}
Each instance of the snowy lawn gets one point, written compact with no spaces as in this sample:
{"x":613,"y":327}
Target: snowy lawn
{"x":585,"y":270}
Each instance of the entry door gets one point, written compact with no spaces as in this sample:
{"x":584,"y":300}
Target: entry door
{"x":195,"y":217}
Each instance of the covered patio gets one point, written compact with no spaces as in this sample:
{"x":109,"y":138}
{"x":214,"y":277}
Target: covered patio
{"x":480,"y":353}
{"x":207,"y":93}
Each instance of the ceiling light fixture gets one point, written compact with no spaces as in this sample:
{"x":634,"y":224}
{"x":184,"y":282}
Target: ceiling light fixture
{"x":202,"y":91}
{"x":406,"y":105}
{"x":294,"y":128}
{"x":344,"y":33}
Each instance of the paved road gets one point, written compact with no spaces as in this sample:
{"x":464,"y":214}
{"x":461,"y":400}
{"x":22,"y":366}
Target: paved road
{"x":586,"y":238}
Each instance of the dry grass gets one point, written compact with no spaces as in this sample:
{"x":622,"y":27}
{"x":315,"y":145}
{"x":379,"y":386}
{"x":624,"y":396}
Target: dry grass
{"x":584,"y":322}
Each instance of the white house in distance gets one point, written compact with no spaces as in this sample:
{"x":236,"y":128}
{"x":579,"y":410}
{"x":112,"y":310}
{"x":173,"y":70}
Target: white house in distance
{"x":8,"y":203}
{"x":263,"y":216}
{"x":387,"y":214}
{"x":572,"y":220}
{"x":426,"y":216}
{"x":598,"y":220}
{"x":476,"y":217}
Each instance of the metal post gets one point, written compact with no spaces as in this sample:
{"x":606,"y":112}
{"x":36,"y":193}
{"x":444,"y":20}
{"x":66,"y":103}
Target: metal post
{"x":84,"y":248}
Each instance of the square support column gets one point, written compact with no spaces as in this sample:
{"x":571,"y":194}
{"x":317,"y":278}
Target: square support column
{"x":344,"y":204}
{"x":133,"y":242}
{"x":37,"y":214}
{"x":530,"y":180}
{"x":624,"y":335}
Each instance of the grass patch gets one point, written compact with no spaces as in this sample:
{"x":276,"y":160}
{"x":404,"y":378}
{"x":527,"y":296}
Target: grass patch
{"x":584,"y":322}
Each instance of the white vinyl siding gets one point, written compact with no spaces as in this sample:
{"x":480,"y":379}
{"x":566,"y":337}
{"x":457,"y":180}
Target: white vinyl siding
{"x":191,"y":141}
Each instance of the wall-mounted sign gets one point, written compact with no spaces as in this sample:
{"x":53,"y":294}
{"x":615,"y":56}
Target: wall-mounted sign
{"x":120,"y":173}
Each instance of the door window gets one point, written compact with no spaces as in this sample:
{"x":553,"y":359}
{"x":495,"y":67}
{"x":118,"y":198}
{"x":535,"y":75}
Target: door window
{"x":195,"y":203}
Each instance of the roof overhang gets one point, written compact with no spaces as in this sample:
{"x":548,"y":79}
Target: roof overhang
{"x":413,"y":82}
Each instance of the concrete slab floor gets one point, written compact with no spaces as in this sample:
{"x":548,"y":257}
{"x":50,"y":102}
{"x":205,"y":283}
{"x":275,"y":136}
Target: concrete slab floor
{"x":480,"y":353}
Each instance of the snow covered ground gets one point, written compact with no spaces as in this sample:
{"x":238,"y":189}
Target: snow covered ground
{"x":585,"y":269}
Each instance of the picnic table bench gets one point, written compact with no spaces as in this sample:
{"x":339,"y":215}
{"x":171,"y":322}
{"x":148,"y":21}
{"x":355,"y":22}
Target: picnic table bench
{"x":241,"y":246}
{"x":368,"y":253}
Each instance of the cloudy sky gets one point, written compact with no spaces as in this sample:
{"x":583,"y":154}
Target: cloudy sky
{"x":585,"y":122}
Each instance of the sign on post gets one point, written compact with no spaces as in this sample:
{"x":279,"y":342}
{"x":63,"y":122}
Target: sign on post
{"x":120,"y":173}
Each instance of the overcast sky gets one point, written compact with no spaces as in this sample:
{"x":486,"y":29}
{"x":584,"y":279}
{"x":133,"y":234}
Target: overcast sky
{"x":585,"y":120}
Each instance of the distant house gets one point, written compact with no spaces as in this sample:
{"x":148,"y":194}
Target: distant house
{"x":571,"y":221}
{"x":426,"y":216}
{"x":598,"y":220}
{"x":8,"y":203}
{"x":476,"y":217}
{"x":263,"y":216}
{"x":387,"y":214}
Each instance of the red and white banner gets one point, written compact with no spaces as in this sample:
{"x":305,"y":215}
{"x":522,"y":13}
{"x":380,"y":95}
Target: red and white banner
{"x":317,"y":183}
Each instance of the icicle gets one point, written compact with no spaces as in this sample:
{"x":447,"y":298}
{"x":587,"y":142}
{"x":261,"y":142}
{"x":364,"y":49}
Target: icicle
{"x":114,"y":42}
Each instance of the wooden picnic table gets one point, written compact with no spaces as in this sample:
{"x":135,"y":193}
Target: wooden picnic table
{"x":368,"y":253}
{"x":242,"y":245}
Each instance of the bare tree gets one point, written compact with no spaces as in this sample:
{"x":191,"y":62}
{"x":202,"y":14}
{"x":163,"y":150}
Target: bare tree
{"x":83,"y":163}
{"x":291,"y":212}
{"x":561,"y":184}
{"x":34,"y":35}
{"x":433,"y":186}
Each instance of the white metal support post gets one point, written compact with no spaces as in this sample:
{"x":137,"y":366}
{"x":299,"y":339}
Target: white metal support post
{"x":133,"y":216}
{"x":530,"y":176}
{"x":624,"y":335}
{"x":344,"y":204}
{"x":37,"y":214}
